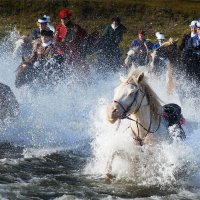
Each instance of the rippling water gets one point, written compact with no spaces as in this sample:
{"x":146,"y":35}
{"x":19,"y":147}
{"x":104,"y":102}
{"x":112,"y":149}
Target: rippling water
{"x":59,"y":145}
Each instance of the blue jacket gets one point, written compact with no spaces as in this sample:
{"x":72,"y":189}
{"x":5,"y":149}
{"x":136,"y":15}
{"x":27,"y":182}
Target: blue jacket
{"x":36,"y":33}
{"x":156,"y":45}
{"x":193,"y":42}
{"x":141,"y":45}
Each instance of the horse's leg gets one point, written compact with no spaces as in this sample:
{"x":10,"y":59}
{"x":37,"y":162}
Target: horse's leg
{"x":108,"y":170}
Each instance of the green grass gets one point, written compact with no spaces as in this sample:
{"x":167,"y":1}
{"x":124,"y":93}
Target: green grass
{"x":170,"y":17}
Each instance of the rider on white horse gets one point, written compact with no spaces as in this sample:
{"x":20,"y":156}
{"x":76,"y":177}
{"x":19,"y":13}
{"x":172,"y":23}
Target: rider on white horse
{"x":139,"y":51}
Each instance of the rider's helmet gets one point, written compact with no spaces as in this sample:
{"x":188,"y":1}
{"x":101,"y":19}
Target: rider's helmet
{"x":160,"y":36}
{"x":193,"y":23}
{"x":198,"y":24}
{"x":65,"y":13}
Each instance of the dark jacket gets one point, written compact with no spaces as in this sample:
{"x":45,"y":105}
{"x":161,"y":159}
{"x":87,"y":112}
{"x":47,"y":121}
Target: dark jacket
{"x":114,"y":36}
{"x":36,"y":33}
{"x":184,"y":43}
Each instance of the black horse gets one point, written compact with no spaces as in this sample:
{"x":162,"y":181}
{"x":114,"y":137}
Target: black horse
{"x":44,"y":72}
{"x":9,"y":107}
{"x":191,"y":63}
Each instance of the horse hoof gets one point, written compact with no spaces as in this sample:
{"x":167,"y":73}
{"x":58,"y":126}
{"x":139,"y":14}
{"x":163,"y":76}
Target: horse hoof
{"x":110,"y":176}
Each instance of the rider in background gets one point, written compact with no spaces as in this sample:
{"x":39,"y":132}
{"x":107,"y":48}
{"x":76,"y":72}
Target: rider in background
{"x":42,"y":24}
{"x":194,"y":42}
{"x":44,"y":51}
{"x":160,"y":37}
{"x":26,"y":43}
{"x":112,"y":36}
{"x":191,"y":53}
{"x":69,"y":38}
{"x":185,"y":41}
{"x":144,"y":45}
{"x":48,"y":25}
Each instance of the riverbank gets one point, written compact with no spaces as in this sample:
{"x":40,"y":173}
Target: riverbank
{"x":170,"y":17}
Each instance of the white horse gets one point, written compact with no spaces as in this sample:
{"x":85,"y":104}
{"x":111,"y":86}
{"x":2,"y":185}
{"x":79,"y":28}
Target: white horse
{"x":136,"y":57}
{"x":136,"y":101}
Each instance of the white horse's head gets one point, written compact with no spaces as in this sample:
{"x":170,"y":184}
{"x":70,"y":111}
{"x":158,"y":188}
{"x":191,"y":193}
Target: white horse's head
{"x":132,"y":94}
{"x":126,"y":97}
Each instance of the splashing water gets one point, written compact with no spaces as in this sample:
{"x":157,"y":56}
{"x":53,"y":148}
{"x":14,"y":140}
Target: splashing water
{"x":65,"y":141}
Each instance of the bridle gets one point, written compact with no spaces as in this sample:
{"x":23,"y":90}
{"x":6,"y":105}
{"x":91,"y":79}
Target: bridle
{"x":126,"y":110}
{"x":124,"y":115}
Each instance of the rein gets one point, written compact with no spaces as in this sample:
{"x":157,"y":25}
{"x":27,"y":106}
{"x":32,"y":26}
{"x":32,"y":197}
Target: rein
{"x":147,"y":130}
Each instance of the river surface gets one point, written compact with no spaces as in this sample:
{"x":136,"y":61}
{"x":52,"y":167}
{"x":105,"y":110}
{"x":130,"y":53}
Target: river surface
{"x":58,"y":147}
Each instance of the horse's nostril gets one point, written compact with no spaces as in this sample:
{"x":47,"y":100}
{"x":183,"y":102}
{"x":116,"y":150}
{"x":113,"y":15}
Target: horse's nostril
{"x":115,"y":110}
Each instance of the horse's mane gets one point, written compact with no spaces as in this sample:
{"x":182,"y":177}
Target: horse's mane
{"x":133,"y":50}
{"x":153,"y":99}
{"x":168,"y":43}
{"x":168,"y":50}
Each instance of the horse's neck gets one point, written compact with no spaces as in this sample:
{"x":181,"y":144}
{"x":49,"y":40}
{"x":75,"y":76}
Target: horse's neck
{"x":147,"y":119}
{"x":141,"y":117}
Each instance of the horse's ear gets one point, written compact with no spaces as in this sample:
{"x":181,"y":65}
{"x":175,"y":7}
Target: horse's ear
{"x":130,"y":52}
{"x":133,"y":66}
{"x":176,"y":40}
{"x":122,"y":78}
{"x":140,"y":77}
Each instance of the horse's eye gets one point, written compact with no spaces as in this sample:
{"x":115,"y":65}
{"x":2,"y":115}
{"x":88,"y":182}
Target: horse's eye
{"x":131,"y":94}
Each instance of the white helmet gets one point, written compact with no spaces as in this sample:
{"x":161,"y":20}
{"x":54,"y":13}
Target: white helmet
{"x":194,"y":23}
{"x":47,"y":18}
{"x":160,"y":36}
{"x":198,"y":24}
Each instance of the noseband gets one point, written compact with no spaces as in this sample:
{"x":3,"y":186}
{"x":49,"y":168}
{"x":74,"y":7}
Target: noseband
{"x":126,"y":110}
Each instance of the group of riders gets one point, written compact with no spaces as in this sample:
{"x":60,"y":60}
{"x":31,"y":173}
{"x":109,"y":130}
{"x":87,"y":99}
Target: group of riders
{"x":70,"y":44}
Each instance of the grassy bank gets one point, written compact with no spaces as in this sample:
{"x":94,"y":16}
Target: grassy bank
{"x":170,"y":17}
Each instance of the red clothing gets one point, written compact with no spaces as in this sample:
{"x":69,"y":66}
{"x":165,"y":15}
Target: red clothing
{"x":68,"y":40}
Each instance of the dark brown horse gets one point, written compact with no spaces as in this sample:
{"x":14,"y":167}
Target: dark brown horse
{"x":43,"y":71}
{"x":26,"y":73}
{"x":9,"y":107}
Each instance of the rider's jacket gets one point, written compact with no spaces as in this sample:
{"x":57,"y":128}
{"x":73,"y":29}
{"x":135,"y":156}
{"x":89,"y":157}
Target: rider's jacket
{"x":194,"y":42}
{"x":36,"y":33}
{"x":68,"y":40}
{"x":156,"y":45}
{"x":143,"y":45}
{"x":187,"y":41}
{"x":43,"y":51}
{"x":184,"y":43}
{"x":114,"y":35}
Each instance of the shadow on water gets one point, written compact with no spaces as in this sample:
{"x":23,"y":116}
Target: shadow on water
{"x":9,"y":150}
{"x":61,"y":173}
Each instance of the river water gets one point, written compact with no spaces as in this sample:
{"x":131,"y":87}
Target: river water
{"x":59,"y":145}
